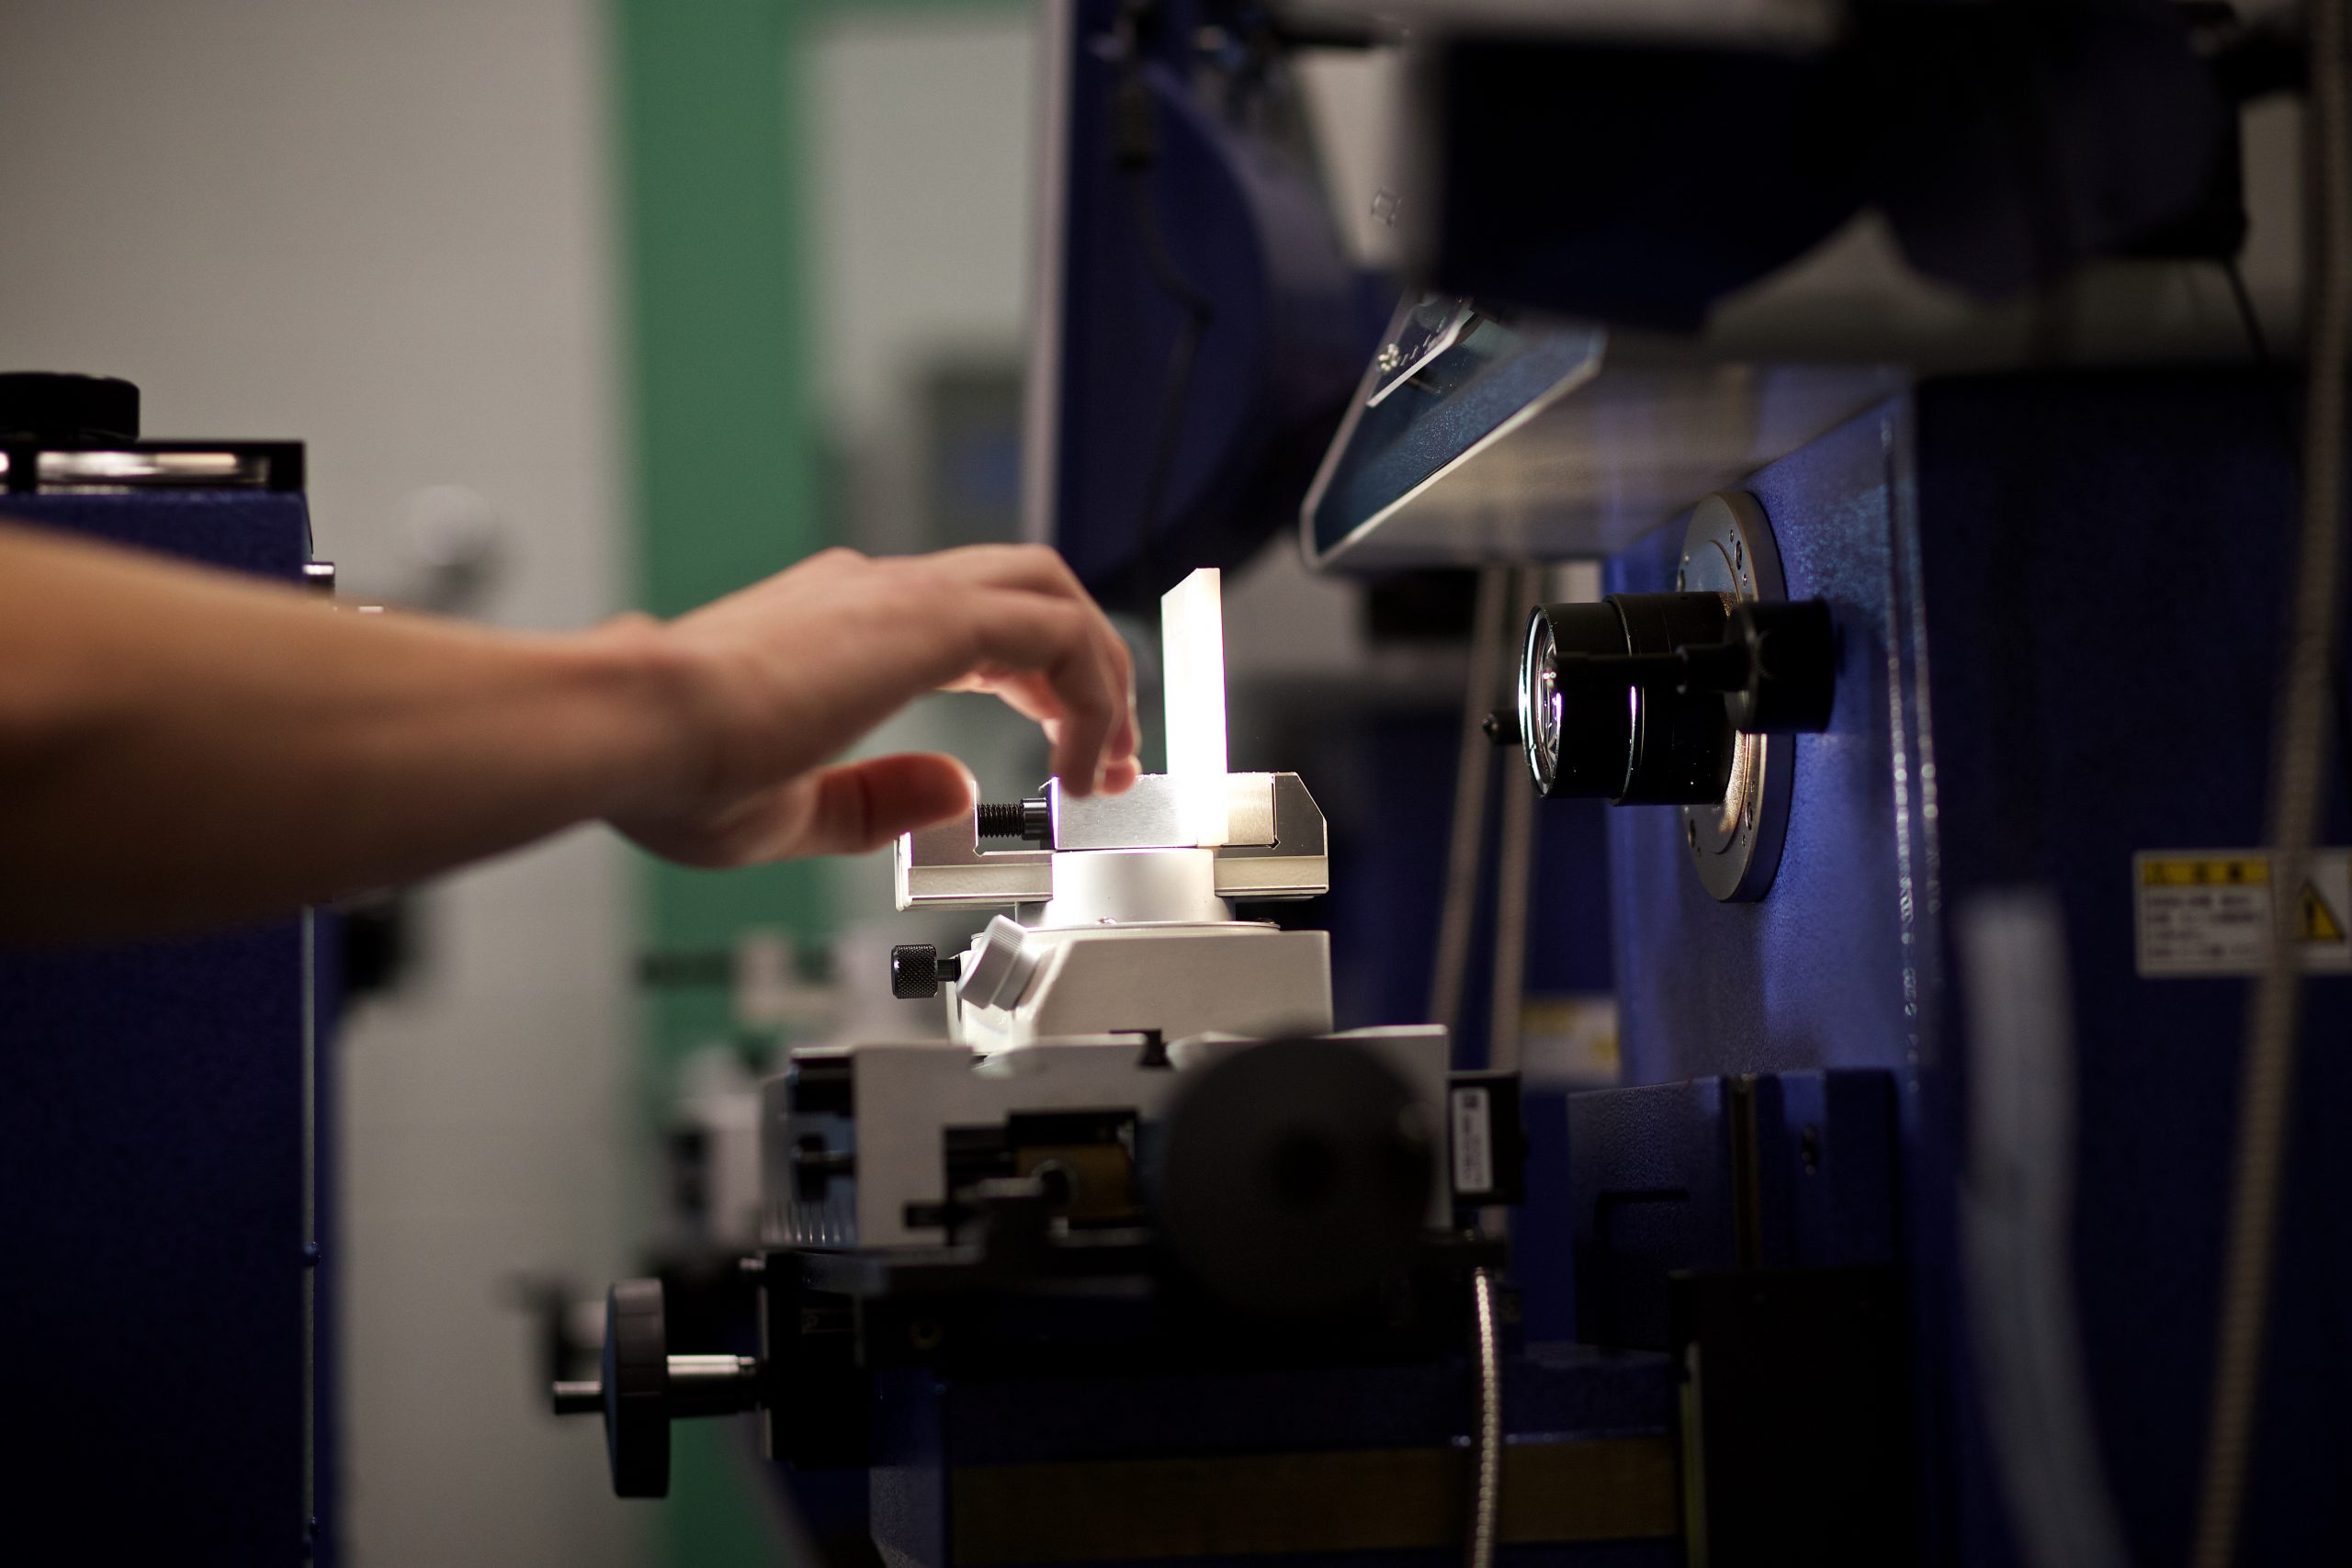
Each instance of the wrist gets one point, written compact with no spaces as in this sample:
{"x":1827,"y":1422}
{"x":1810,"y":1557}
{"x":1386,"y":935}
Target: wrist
{"x":649,"y":686}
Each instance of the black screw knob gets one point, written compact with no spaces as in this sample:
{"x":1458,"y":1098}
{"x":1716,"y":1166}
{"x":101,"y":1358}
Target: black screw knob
{"x":917,"y":969}
{"x":52,"y":406}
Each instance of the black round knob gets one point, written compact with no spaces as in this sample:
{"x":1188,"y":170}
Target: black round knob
{"x":1292,"y":1178}
{"x":50,"y":405}
{"x":1789,"y":669}
{"x":636,"y":1389}
{"x":914,"y":971}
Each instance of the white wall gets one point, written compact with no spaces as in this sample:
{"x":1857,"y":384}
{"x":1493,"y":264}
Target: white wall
{"x":920,"y":127}
{"x":378,"y":228}
{"x":921,"y":130}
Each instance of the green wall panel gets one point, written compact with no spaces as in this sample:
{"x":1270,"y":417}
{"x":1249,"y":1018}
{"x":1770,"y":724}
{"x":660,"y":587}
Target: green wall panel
{"x":711,"y":170}
{"x":707,"y":160}
{"x":725,"y":453}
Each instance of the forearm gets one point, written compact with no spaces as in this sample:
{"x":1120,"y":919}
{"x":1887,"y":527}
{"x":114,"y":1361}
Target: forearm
{"x":179,"y":749}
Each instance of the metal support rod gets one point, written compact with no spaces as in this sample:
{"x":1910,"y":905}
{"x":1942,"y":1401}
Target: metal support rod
{"x":696,"y":1385}
{"x":1473,"y":766}
{"x":1514,"y":874}
{"x":712,"y":1385}
{"x":583,"y":1398}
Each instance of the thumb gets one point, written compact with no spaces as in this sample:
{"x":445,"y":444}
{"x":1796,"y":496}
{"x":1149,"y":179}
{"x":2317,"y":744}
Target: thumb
{"x":862,"y":806}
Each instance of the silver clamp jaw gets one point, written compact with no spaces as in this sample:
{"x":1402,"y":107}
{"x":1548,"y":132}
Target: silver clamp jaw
{"x":1275,"y":845}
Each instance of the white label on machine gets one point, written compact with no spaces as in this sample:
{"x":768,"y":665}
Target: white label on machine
{"x":1474,"y":1144}
{"x":2215,"y":911}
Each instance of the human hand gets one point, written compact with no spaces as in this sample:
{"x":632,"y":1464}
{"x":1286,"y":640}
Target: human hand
{"x":762,"y":687}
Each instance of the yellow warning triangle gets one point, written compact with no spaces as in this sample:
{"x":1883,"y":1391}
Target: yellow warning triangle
{"x":2319,"y":922}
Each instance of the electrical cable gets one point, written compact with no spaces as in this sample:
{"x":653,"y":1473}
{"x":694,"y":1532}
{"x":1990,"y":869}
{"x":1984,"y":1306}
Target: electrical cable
{"x":2259,"y":346}
{"x":2257,"y":340}
{"x":1486,"y":1497}
{"x":2298,"y":764}
{"x":1473,"y":763}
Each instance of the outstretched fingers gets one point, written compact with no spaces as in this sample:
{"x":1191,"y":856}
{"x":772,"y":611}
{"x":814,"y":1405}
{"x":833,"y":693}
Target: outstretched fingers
{"x":1041,"y":690}
{"x":1047,"y":655}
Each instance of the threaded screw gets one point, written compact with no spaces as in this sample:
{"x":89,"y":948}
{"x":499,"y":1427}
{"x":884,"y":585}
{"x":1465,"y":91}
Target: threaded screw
{"x":1031,"y":819}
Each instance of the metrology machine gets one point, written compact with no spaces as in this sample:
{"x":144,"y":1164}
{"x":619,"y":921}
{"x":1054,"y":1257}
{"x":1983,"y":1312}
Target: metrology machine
{"x":1898,"y":379}
{"x":1144,"y":1178}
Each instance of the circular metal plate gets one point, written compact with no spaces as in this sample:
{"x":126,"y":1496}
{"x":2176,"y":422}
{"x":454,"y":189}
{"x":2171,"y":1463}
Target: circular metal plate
{"x":1736,"y":843}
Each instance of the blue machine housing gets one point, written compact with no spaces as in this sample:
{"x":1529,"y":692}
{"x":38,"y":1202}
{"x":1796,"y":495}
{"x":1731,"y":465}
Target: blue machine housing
{"x":2062,"y":605}
{"x":162,"y":1197}
{"x":1230,"y":402}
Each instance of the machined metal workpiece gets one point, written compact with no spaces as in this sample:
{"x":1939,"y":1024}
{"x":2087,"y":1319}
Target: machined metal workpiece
{"x":1150,"y":816}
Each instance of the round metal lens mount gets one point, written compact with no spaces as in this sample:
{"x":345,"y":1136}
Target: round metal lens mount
{"x":1539,"y":703}
{"x":1735,"y":842}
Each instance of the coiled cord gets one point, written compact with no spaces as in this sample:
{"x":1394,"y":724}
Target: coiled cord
{"x":1486,"y":1498}
{"x":2297,"y":765}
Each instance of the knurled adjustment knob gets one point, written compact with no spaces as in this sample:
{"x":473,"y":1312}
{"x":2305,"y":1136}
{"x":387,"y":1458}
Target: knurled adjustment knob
{"x":917,"y":969}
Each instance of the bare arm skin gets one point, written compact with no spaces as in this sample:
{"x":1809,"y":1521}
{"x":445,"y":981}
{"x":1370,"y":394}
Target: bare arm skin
{"x":181,"y":747}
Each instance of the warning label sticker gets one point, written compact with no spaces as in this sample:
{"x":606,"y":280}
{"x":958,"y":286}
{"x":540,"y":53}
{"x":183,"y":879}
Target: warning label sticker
{"x":2216,"y":911}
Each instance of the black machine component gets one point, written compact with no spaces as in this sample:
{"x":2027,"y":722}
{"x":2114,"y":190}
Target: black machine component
{"x":1796,"y":1415}
{"x":1292,"y":1182}
{"x":54,"y":406}
{"x":643,"y":1386}
{"x":917,"y":970}
{"x":1275,"y":1215}
{"x":1639,"y":698}
{"x":1076,"y":1169}
{"x":2006,"y":144}
{"x":74,"y":434}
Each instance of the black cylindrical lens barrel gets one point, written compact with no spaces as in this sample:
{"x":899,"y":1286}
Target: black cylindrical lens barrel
{"x":1683,"y":743}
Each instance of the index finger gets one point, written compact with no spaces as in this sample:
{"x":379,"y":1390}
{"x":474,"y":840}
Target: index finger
{"x":1044,"y":654}
{"x":1039,"y":570}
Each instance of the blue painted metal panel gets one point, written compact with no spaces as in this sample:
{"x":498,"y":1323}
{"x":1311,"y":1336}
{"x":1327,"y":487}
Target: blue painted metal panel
{"x":2105,"y":564}
{"x":1655,"y":1178}
{"x":153,"y":1106}
{"x":2060,"y":600}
